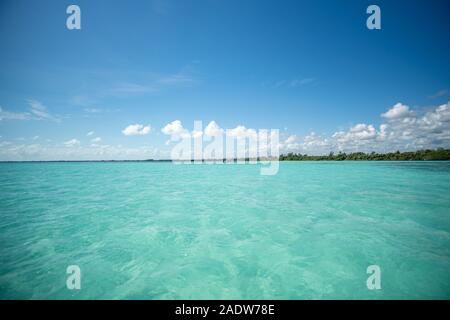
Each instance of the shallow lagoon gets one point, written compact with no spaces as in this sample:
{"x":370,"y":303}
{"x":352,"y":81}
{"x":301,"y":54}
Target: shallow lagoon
{"x":165,"y":231}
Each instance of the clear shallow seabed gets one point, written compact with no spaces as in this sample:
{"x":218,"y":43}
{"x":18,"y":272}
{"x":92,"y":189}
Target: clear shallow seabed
{"x":165,"y":231}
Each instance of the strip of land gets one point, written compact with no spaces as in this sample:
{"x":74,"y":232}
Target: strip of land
{"x":419,"y":155}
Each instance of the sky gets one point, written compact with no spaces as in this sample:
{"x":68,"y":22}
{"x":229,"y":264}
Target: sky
{"x":138,"y":73}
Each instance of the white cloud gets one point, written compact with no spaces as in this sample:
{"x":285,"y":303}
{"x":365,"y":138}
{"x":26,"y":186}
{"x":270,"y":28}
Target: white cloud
{"x":404,"y":130}
{"x":401,"y":129}
{"x":196,"y":134}
{"x":397,"y":111}
{"x":291,"y":139}
{"x":440,"y":117}
{"x":213,"y":129}
{"x":383,"y":131}
{"x":176,"y":130}
{"x":358,"y":132}
{"x":242,"y":132}
{"x":136,"y":130}
{"x":291,"y":143}
{"x":314,"y":144}
{"x":72,"y":143}
{"x":429,"y":130}
{"x":90,"y":133}
{"x":96,"y":140}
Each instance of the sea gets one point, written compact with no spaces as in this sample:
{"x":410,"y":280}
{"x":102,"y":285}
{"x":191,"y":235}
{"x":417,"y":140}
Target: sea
{"x":158,"y":230}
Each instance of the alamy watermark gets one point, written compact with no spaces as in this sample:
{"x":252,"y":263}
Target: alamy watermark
{"x":237,"y":146}
{"x":73,"y":281}
{"x":74,"y":20}
{"x":374,"y":20}
{"x":374,"y":280}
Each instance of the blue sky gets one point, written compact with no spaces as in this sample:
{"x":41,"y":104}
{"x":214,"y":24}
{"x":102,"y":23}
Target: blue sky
{"x":309,"y":68}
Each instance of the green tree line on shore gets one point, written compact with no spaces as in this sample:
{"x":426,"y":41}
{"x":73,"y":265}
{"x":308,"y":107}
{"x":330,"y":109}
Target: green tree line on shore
{"x":419,"y":155}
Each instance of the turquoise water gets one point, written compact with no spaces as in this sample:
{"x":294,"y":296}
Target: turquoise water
{"x":165,"y":231}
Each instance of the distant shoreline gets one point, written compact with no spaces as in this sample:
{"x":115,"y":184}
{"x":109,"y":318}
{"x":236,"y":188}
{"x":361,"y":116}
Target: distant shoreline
{"x":420,"y":155}
{"x":439,"y":154}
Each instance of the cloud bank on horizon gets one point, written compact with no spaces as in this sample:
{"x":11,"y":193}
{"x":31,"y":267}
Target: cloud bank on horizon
{"x":403,"y":129}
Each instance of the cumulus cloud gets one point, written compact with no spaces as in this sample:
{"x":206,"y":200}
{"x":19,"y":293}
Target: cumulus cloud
{"x":176,"y":130}
{"x":383,"y":131}
{"x":359,"y":132}
{"x":404,"y":130}
{"x":136,"y":130}
{"x":196,"y":134}
{"x":291,"y":139}
{"x":291,"y":143}
{"x":213,"y":149}
{"x":213,"y":129}
{"x":400,"y":129}
{"x":242,"y":132}
{"x":90,"y":133}
{"x":311,"y":143}
{"x":397,"y":111}
{"x":430,"y":129}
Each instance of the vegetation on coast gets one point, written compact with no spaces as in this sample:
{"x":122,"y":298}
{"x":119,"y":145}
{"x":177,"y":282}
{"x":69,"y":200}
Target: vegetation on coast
{"x":419,"y":155}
